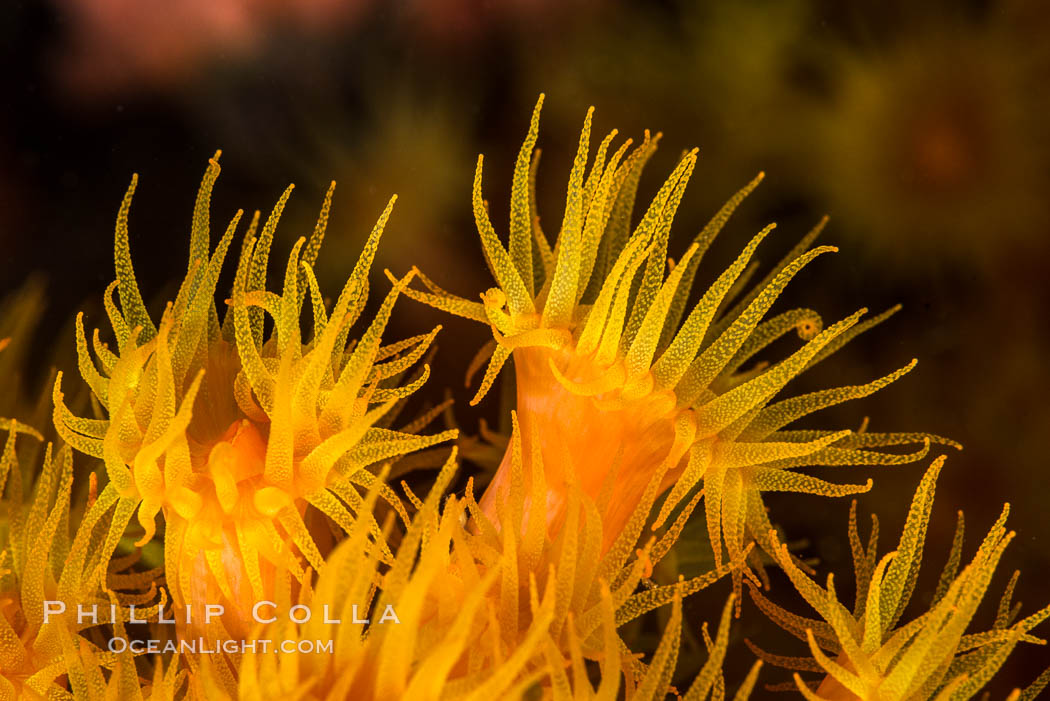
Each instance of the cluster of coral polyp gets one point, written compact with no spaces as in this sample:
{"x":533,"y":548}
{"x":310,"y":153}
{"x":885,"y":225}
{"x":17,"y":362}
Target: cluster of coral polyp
{"x":255,"y":440}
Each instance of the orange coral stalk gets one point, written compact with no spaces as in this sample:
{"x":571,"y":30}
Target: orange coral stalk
{"x":596,"y":589}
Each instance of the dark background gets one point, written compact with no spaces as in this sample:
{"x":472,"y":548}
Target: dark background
{"x":922,"y":132}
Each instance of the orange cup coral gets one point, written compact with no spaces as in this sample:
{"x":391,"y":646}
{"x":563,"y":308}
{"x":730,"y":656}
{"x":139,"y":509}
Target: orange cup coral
{"x":611,"y":379}
{"x":233,"y":435}
{"x":931,"y":654}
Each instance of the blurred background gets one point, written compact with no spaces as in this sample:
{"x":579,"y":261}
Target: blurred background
{"x":919,"y":127}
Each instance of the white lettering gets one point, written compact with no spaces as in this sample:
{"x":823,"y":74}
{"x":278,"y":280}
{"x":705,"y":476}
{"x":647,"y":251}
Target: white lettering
{"x":389,"y":615}
{"x":213,"y":610}
{"x":255,"y":612}
{"x":81,"y":615}
{"x":300,"y":607}
{"x":53,"y":607}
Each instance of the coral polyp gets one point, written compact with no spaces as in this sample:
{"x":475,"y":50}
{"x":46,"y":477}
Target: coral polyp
{"x":614,"y":376}
{"x":865,"y":654}
{"x":35,"y":645}
{"x":32,"y":656}
{"x":232,"y":434}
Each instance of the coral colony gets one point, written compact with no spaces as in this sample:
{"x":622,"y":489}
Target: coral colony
{"x":254,"y":444}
